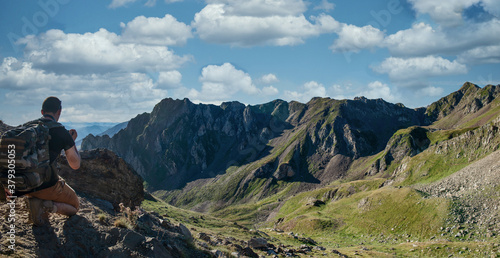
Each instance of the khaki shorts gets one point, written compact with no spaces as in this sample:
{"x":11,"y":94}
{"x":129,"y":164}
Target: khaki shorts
{"x":60,"y":192}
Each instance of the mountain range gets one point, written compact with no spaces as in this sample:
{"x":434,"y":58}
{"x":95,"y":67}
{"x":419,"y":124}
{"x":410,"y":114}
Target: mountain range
{"x":256,"y":159}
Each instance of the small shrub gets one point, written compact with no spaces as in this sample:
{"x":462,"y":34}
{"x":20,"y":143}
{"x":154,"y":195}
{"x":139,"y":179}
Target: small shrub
{"x":122,"y":223}
{"x":102,"y":217}
{"x":129,"y":217}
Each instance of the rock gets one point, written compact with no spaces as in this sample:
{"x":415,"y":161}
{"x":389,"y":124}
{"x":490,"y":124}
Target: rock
{"x":217,"y":253}
{"x":133,"y":239}
{"x":157,"y":249}
{"x":247,"y":251}
{"x":104,"y":175}
{"x":340,"y":254}
{"x":308,"y":240}
{"x":205,"y":237}
{"x":185,"y":232}
{"x":319,"y":248}
{"x":315,"y":202}
{"x":257,"y":243}
{"x":271,"y":252}
{"x":146,"y":222}
{"x":284,"y":171}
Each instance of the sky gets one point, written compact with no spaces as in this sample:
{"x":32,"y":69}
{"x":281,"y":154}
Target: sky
{"x":110,"y":60}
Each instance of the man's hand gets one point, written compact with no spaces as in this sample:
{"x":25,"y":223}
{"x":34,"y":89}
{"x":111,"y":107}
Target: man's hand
{"x":73,"y":134}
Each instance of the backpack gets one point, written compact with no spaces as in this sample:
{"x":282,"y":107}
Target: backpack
{"x":24,"y":156}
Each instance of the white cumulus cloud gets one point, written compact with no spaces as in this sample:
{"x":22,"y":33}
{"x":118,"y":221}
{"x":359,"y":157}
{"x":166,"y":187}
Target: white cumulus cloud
{"x":269,"y":78}
{"x":262,"y":8}
{"x":491,"y":6}
{"x":481,"y":55}
{"x":99,"y":52}
{"x":270,"y":91}
{"x":169,"y":79}
{"x":430,"y":91}
{"x":308,"y":91}
{"x":410,"y":70}
{"x":120,"y":3}
{"x":259,"y":22}
{"x":354,"y":38}
{"x":325,"y":5}
{"x":221,"y":83}
{"x":112,"y":97}
{"x":445,"y":12}
{"x":377,"y":90}
{"x":422,"y":39}
{"x":157,"y":31}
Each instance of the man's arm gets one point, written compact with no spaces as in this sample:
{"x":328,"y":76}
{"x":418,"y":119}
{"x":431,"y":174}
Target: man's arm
{"x":73,"y":157}
{"x":72,"y":154}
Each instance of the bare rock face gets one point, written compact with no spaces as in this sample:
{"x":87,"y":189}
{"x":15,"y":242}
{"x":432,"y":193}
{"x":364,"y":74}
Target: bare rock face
{"x":106,"y":176}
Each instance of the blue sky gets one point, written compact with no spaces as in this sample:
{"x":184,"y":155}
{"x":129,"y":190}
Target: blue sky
{"x":111,"y":60}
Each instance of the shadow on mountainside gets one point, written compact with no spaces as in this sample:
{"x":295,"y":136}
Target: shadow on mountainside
{"x":78,"y":238}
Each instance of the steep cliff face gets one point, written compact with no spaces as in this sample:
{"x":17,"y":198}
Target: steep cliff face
{"x":180,"y":141}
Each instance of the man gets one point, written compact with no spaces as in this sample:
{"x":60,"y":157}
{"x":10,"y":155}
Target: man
{"x":55,"y":196}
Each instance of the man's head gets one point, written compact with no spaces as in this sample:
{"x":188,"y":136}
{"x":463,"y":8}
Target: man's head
{"x":52,"y":106}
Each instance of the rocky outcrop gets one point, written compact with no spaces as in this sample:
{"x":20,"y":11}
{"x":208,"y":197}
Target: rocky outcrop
{"x":404,"y":143}
{"x":106,"y":176}
{"x":469,"y":99}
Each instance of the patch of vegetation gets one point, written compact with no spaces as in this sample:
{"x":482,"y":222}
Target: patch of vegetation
{"x":428,"y":167}
{"x":443,"y":135}
{"x":198,"y":222}
{"x":102,"y":217}
{"x":368,"y":216}
{"x":122,"y":222}
{"x":128,"y":218}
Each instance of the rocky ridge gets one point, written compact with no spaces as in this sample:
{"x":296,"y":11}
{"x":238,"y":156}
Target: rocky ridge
{"x":181,"y":145}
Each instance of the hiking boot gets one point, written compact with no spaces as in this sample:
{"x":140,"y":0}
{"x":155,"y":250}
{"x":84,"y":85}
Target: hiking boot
{"x":39,"y":211}
{"x":49,"y":206}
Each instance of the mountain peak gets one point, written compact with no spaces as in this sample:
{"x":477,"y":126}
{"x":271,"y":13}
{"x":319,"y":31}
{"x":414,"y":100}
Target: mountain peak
{"x":468,"y":86}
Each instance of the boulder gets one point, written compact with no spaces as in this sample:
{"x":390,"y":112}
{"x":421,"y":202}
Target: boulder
{"x":257,"y":243}
{"x":104,"y":175}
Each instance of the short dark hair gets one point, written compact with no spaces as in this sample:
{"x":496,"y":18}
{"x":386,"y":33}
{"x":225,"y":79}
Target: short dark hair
{"x":51,"y":105}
